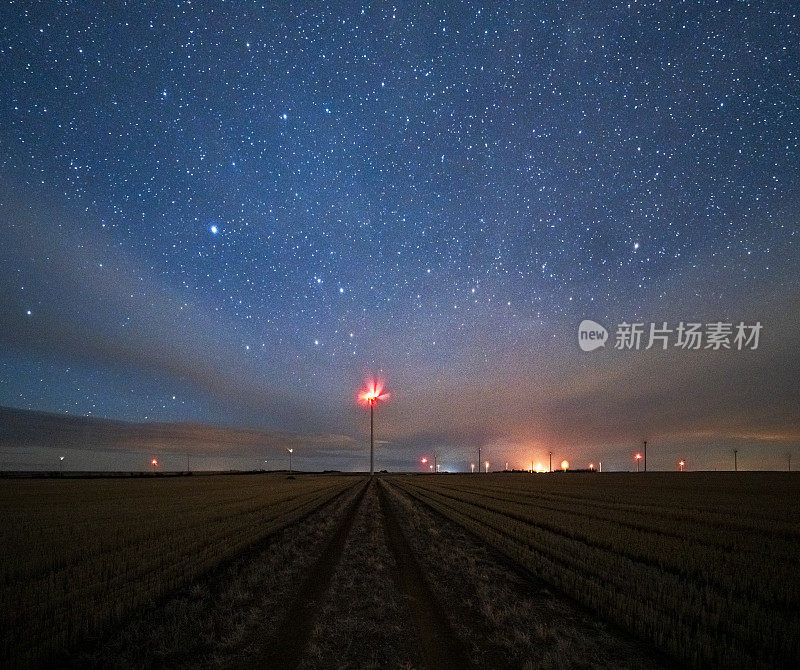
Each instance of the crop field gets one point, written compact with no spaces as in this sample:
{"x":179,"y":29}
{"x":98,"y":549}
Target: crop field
{"x":703,"y":565}
{"x":429,"y":571}
{"x":78,"y":555}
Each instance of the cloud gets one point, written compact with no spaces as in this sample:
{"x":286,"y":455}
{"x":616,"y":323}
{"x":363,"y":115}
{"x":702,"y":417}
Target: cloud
{"x":106,"y":310}
{"x":22,"y":429}
{"x":561,"y":397}
{"x":507,"y":394}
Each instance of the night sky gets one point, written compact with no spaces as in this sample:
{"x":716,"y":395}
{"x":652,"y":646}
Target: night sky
{"x":236,"y":213}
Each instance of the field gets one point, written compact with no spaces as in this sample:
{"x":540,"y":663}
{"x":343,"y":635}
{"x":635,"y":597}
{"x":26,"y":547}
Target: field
{"x":481,"y":571}
{"x":704,"y":566}
{"x":79,"y":555}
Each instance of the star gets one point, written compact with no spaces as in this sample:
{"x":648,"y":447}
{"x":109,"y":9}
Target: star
{"x":508,"y":166}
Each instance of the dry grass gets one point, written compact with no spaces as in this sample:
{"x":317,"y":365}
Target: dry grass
{"x":506,"y":619}
{"x":224,"y":619}
{"x":210,"y":571}
{"x":360,"y":624}
{"x":81,"y":555}
{"x":701,"y":564}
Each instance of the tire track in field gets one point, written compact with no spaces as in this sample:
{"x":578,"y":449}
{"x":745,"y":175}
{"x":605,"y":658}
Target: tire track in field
{"x":642,"y":651}
{"x":205,"y":623}
{"x":434,"y":641}
{"x":285,"y":647}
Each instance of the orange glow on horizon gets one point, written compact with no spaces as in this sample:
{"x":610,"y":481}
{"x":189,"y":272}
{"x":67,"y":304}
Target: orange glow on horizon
{"x":565,"y":465}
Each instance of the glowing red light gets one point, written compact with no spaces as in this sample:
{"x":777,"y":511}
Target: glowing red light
{"x":154,"y":462}
{"x":373,"y":393}
{"x":424,"y":460}
{"x":638,"y":457}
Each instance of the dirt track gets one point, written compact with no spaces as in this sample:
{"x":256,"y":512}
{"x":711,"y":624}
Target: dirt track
{"x":367,"y":602}
{"x":432,"y":636}
{"x":399,"y":587}
{"x":372,"y":580}
{"x":284,"y":648}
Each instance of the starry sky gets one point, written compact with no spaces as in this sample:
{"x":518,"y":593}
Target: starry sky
{"x":236,"y":213}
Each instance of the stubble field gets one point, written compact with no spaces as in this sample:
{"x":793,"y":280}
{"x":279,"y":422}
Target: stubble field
{"x":460,"y":571}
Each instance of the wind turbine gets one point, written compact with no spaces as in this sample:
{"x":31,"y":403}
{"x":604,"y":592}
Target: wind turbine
{"x":371,"y":396}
